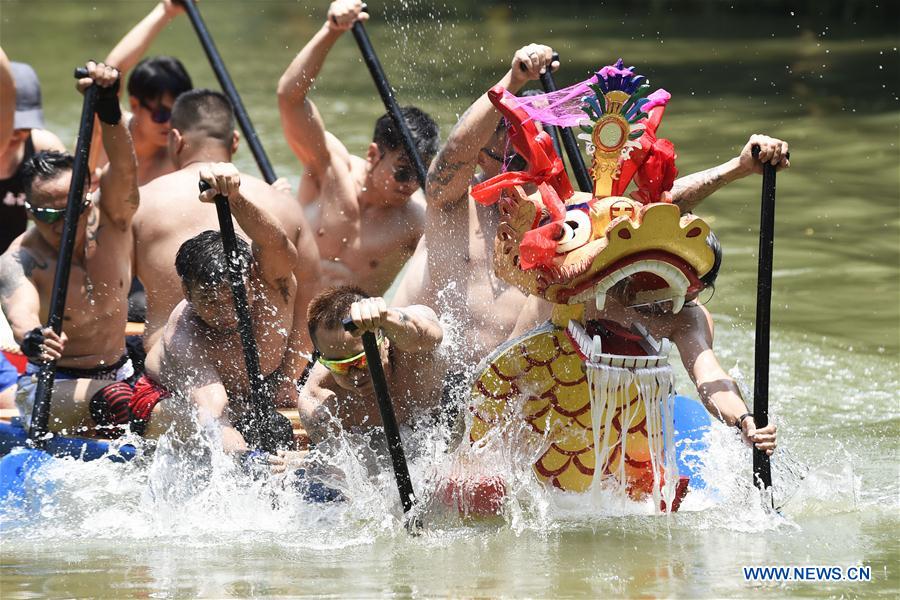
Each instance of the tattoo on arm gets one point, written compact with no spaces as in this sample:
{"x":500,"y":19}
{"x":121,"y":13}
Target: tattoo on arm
{"x":689,"y":191}
{"x":16,"y":267}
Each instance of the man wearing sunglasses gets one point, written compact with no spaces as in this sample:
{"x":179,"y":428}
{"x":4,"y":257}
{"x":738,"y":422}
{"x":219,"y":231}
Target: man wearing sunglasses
{"x":153,"y":86}
{"x":90,"y":353}
{"x":366,"y":218}
{"x":340,"y":390}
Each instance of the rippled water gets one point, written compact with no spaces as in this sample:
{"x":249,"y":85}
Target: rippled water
{"x":830,"y":89}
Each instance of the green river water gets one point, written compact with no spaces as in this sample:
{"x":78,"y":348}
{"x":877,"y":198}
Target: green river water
{"x":830,"y":89}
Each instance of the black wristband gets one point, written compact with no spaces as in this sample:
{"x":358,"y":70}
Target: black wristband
{"x":740,"y":422}
{"x":107,"y":107}
{"x":32,"y":342}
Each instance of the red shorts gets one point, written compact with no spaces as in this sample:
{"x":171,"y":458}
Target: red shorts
{"x":147,"y":394}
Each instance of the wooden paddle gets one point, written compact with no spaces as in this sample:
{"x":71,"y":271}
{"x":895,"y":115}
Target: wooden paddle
{"x":218,"y":67}
{"x":387,"y":97}
{"x":40,"y":414}
{"x":388,"y":419}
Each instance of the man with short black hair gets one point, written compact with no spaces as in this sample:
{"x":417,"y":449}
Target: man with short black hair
{"x":90,"y":353}
{"x":363,"y":210}
{"x":339,"y":385}
{"x":203,"y":132}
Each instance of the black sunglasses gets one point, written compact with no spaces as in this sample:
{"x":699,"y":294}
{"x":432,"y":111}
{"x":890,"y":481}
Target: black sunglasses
{"x":160,"y":114}
{"x":52,"y":215}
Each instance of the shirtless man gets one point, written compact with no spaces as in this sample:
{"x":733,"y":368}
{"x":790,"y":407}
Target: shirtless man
{"x":366,"y":220}
{"x":453,"y":270}
{"x":27,"y":138}
{"x":153,"y":87}
{"x":340,"y":386}
{"x":203,"y":132}
{"x":199,"y":354}
{"x":90,"y":351}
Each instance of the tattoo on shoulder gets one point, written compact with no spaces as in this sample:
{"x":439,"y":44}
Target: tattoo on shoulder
{"x":15,"y":267}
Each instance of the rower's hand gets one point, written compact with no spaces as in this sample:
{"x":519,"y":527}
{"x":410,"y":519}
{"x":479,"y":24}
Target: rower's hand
{"x":771,"y":150}
{"x":531,"y":61}
{"x":173,"y":8}
{"x":762,"y":439}
{"x":52,"y":345}
{"x":105,"y":76}
{"x":223,"y":178}
{"x":282,"y":185}
{"x":342,"y":14}
{"x":369,"y":314}
{"x":287,"y":460}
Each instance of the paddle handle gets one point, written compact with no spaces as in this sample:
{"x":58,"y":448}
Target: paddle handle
{"x":40,"y":413}
{"x":240,"y":113}
{"x":576,"y":160}
{"x":762,"y":474}
{"x":242,"y":309}
{"x":387,"y":97}
{"x":388,"y":419}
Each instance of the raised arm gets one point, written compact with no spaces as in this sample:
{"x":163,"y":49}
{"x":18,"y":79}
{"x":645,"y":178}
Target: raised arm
{"x":119,"y":197}
{"x":302,"y":124}
{"x":134,"y":45}
{"x":452,"y":169}
{"x":7,"y":100}
{"x":689,"y":191}
{"x":273,"y":250}
{"x":412,"y":328}
{"x":718,"y":391}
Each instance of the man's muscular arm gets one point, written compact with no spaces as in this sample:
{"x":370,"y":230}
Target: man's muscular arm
{"x":134,"y":45}
{"x":314,"y":405}
{"x":453,"y":167}
{"x":119,"y":197}
{"x":301,"y":121}
{"x":19,"y":297}
{"x":718,"y":391}
{"x":272,"y":249}
{"x":689,"y":191}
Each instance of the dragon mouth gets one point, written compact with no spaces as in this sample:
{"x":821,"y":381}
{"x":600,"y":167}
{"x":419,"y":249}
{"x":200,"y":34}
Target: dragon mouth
{"x":673,"y":280}
{"x":590,"y":349}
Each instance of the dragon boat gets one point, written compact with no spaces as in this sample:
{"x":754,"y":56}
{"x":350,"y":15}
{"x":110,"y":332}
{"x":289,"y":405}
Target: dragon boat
{"x":599,"y":396}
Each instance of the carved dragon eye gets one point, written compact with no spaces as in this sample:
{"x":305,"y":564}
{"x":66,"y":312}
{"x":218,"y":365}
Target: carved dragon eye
{"x":576,"y":231}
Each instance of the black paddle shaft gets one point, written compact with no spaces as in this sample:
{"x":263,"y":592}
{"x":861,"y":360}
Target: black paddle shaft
{"x":242,"y":308}
{"x":218,"y":66}
{"x":40,"y":413}
{"x":387,"y":96}
{"x":568,"y":138}
{"x":762,"y":474}
{"x":388,"y":419}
